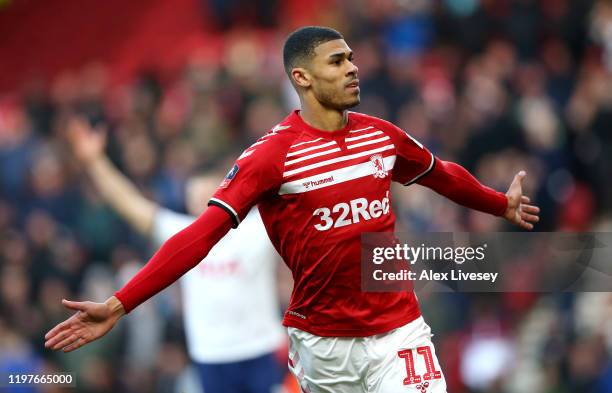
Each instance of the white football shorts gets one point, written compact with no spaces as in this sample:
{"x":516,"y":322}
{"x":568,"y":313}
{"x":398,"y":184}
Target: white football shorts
{"x":401,"y":360}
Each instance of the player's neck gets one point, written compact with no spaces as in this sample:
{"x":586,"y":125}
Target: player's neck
{"x":324,"y":119}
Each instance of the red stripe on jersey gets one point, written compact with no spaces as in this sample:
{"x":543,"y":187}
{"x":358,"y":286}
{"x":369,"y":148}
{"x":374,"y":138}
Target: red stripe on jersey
{"x":334,"y":151}
{"x":338,"y":158}
{"x":313,"y":155}
{"x":307,"y":146}
{"x":323,"y":167}
{"x":295,"y":154}
{"x":368,"y":141}
{"x":306,"y":150}
{"x":352,"y":138}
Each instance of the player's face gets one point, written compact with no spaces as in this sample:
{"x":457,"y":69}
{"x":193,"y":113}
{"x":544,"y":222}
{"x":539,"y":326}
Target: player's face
{"x":334,"y":79}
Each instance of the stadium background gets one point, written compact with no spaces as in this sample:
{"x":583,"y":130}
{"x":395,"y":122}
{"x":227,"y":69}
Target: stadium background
{"x":183,"y":85}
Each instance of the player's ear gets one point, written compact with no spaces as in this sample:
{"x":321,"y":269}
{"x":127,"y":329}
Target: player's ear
{"x":301,"y":77}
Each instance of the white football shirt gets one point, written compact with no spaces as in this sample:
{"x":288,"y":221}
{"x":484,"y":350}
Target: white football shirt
{"x":230,"y":299}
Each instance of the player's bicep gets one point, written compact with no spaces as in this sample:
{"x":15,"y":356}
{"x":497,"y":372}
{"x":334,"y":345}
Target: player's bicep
{"x":413,"y":160}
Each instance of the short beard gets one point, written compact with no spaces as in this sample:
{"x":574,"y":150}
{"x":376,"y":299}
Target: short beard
{"x":328,"y":101}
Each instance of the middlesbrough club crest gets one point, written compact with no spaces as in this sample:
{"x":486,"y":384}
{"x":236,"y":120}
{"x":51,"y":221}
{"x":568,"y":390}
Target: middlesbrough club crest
{"x":378,"y":166}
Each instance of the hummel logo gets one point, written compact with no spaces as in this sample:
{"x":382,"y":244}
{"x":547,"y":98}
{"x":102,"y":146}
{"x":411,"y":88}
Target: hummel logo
{"x":313,"y":183}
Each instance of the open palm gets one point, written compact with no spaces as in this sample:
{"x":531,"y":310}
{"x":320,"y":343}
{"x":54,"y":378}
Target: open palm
{"x":519,"y":211}
{"x":92,"y":321}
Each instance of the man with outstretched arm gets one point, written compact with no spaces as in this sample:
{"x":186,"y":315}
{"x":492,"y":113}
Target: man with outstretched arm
{"x":320,"y":178}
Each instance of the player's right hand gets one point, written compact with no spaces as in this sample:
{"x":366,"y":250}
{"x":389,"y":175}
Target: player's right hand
{"x":92,"y":321}
{"x":87,"y":143}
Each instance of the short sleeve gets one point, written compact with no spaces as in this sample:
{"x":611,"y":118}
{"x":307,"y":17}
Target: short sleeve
{"x":413,"y":160}
{"x":255,"y":174}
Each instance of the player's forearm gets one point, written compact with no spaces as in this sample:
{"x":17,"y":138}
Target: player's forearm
{"x":456,"y":183}
{"x":121,"y":194}
{"x":176,"y":257}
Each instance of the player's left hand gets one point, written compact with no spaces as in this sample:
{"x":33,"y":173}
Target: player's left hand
{"x":519,"y":211}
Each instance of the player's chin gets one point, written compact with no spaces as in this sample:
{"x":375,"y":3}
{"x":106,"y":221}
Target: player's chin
{"x":343,"y":102}
{"x":351,"y":102}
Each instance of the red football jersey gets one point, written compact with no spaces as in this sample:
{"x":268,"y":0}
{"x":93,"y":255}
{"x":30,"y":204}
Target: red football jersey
{"x":317,"y":191}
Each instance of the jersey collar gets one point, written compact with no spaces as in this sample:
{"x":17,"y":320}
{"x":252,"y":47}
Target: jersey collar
{"x":321,"y":133}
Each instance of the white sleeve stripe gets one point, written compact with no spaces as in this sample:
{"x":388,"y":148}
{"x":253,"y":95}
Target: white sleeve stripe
{"x":227,"y":208}
{"x":431,"y":165}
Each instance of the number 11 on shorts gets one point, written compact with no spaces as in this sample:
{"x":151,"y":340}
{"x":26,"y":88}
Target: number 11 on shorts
{"x":412,"y":377}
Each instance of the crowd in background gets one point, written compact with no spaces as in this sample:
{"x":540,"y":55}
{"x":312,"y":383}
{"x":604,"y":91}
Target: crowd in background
{"x":496,"y":86}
